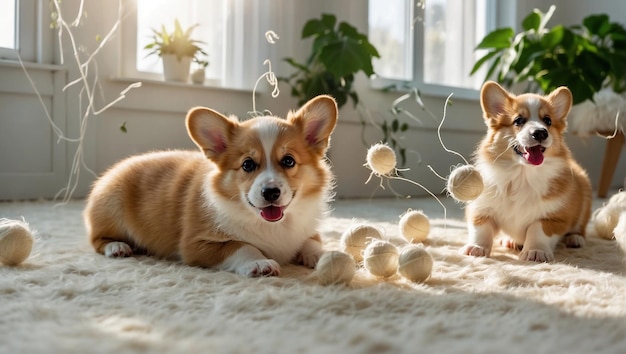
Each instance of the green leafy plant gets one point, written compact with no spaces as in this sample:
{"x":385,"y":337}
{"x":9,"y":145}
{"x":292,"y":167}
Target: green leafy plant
{"x":338,"y":52}
{"x":178,"y":42}
{"x":586,"y":57}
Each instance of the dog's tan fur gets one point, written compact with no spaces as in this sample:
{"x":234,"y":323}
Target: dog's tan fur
{"x":533,"y":204}
{"x":186,"y":204}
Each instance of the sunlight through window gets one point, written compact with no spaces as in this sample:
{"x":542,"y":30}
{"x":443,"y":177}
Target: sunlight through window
{"x":7,"y":24}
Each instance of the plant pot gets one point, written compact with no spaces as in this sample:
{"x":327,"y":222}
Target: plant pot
{"x":174,"y":69}
{"x":198,"y":76}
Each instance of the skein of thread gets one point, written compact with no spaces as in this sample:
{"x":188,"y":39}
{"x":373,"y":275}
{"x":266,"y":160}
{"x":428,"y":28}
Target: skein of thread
{"x":16,"y":241}
{"x":465,"y":183}
{"x":335,"y":267}
{"x":354,"y":239}
{"x":415,"y":263}
{"x":381,"y":159}
{"x":414,"y":226}
{"x":381,"y":258}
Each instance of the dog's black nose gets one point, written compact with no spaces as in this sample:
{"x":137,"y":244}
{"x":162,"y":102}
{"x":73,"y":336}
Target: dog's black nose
{"x":540,"y":135}
{"x":270,"y":194}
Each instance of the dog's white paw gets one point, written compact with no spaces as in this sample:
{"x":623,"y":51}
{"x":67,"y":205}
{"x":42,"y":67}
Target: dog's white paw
{"x":536,"y":256}
{"x":117,"y":250}
{"x":311,"y":253}
{"x":310,"y":260}
{"x":259,"y":268}
{"x":574,"y":241}
{"x":475,"y":250}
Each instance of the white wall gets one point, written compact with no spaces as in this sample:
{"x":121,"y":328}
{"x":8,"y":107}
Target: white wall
{"x":154,"y":113}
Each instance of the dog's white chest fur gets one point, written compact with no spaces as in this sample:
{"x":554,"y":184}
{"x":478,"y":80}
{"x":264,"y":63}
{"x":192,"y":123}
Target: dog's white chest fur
{"x":280,"y":240}
{"x":514,"y":195}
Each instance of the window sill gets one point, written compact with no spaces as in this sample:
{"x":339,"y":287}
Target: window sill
{"x":209,"y":84}
{"x":428,"y":90}
{"x":8,"y":63}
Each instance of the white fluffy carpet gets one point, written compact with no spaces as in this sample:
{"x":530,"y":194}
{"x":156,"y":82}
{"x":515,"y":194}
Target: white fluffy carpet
{"x":67,"y":299}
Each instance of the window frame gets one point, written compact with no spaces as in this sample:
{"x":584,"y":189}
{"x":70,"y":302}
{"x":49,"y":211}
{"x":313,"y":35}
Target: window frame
{"x":500,"y":13}
{"x":246,"y":48}
{"x":35,"y":40}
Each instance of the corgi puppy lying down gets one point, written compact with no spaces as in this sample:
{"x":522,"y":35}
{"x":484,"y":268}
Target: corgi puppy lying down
{"x":249,"y":201}
{"x":535,"y":193}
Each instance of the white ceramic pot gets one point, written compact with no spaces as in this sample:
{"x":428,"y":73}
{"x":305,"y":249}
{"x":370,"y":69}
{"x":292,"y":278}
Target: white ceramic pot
{"x":174,"y":69}
{"x":198,"y":76}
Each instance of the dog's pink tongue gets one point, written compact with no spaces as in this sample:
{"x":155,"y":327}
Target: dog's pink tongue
{"x":272,"y":213}
{"x":534,"y":155}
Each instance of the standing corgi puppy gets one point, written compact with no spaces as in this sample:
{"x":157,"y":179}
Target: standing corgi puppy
{"x":251,"y":200}
{"x":535,"y":193}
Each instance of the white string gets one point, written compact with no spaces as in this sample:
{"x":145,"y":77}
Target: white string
{"x":87,"y":88}
{"x":269,"y":75}
{"x":615,"y":130}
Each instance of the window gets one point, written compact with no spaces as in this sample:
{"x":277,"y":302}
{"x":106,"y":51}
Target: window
{"x":21,"y":33}
{"x":429,"y":44}
{"x":7,"y":24}
{"x":232,"y":32}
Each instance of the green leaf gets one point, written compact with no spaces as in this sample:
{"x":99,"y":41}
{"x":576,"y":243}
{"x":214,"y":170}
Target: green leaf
{"x":482,"y":60}
{"x":553,"y":38}
{"x":320,"y":42}
{"x":492,"y":68}
{"x":297,"y":65}
{"x":313,"y":27}
{"x":532,"y":21}
{"x":329,"y":20}
{"x":597,"y":24}
{"x":395,"y":125}
{"x":346,"y":57}
{"x":402,"y":152}
{"x":580,"y":91}
{"x":497,"y":39}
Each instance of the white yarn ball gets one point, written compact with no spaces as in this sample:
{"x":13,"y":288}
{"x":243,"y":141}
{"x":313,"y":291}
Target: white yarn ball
{"x":335,"y":267}
{"x":354,"y":240}
{"x":381,"y":159}
{"x":414,"y":226}
{"x":16,"y":241}
{"x":465,"y":183}
{"x":415,"y":263}
{"x":381,"y":258}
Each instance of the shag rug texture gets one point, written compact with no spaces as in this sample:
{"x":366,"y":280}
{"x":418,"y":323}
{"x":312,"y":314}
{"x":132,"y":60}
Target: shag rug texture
{"x":67,"y":299}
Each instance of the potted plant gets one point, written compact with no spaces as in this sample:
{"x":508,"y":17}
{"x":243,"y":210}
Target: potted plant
{"x":338,"y":53}
{"x":176,"y":49}
{"x":586,"y":58}
{"x":199,"y":74}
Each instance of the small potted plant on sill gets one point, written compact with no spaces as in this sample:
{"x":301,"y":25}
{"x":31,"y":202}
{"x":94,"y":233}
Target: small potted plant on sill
{"x":198,"y":76}
{"x":176,"y":49}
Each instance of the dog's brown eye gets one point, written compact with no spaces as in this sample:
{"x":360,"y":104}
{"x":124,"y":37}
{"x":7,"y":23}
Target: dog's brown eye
{"x":519,"y":121}
{"x":288,"y":161}
{"x":547,"y":120}
{"x":248,"y":165}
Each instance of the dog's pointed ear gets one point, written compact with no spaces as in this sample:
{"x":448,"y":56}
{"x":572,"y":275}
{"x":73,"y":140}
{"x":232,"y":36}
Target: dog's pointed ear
{"x":494,"y":100}
{"x":561,"y":102}
{"x":317,"y":119}
{"x":210,"y":130}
